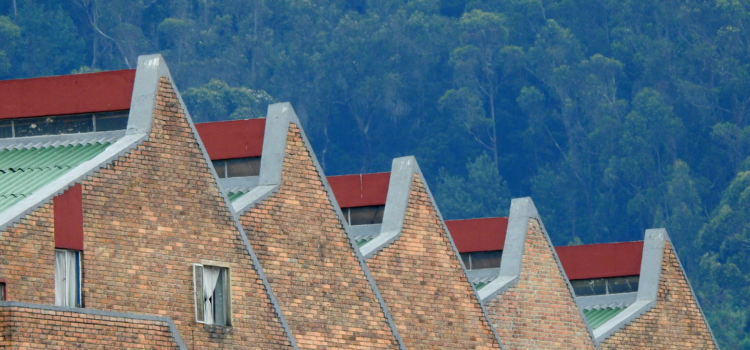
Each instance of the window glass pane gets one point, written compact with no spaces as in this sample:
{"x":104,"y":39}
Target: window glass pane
{"x":6,"y":129}
{"x":198,"y":290}
{"x":589,"y":287}
{"x":465,"y":258}
{"x":220,"y":299}
{"x":112,"y":121}
{"x":221,"y":168}
{"x":623,"y":284}
{"x":2,"y":291}
{"x":60,"y":290}
{"x":243,"y":167}
{"x":366,"y":215}
{"x":78,"y":279}
{"x":54,"y":125}
{"x":486,"y":260}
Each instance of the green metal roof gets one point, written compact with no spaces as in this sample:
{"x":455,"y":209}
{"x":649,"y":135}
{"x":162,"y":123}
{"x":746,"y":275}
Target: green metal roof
{"x":597,"y":317}
{"x":233,"y":196}
{"x":23,"y":171}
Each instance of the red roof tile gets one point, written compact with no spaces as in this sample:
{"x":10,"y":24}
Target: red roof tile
{"x":360,"y":190}
{"x":67,"y":94}
{"x":233,"y":139}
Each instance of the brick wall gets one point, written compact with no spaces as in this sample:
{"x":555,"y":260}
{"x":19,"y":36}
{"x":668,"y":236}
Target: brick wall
{"x":28,"y":328}
{"x":427,"y":292}
{"x":674,"y":323}
{"x":27,"y":257}
{"x":539,"y":312}
{"x":149,"y":217}
{"x":309,"y":261}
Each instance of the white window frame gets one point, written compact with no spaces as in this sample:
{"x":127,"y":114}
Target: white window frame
{"x":66,"y":270}
{"x":199,"y":291}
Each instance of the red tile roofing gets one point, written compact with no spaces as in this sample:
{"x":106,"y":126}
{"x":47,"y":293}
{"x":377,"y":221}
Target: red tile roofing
{"x":478,"y":235}
{"x":67,"y":94}
{"x":601,"y":260}
{"x":360,"y":190}
{"x":233,"y":139}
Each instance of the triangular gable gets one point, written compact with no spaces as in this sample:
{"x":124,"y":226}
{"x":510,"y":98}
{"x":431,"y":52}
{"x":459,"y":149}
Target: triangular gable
{"x":296,"y":226}
{"x":419,"y":271}
{"x":531,"y":303}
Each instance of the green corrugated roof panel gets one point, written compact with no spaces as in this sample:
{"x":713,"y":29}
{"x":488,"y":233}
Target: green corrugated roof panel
{"x":233,"y":196}
{"x":23,"y":171}
{"x":597,"y":317}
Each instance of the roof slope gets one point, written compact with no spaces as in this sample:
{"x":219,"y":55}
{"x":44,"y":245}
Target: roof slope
{"x":23,"y":171}
{"x":597,"y":317}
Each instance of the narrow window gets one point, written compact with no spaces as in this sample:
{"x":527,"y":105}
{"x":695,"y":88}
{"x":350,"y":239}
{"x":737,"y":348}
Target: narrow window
{"x":2,"y":291}
{"x":466,"y":257}
{"x":211,"y":289}
{"x":6,"y":129}
{"x":67,"y":278}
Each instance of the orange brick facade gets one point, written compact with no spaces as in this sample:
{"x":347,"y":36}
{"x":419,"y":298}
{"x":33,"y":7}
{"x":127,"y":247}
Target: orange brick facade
{"x":539,"y":312}
{"x":27,"y":258}
{"x":309,"y":261}
{"x":153,"y":214}
{"x":427,"y":292}
{"x":675,"y":322}
{"x":45,"y":329}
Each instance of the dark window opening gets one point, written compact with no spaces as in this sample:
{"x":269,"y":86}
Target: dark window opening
{"x":238,"y":167}
{"x":604,"y":286}
{"x":482,"y":260}
{"x":64,"y":124}
{"x":368,"y":215}
{"x":2,"y":291}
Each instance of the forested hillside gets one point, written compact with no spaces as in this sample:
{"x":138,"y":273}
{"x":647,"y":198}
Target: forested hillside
{"x":615,"y":116}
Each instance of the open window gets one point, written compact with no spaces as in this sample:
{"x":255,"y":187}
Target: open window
{"x":68,"y":278}
{"x":212,"y":299}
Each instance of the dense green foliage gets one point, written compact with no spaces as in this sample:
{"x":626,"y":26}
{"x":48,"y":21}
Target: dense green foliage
{"x":615,"y":116}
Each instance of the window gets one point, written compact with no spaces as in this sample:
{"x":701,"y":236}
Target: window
{"x":368,"y":215}
{"x":212,"y":299}
{"x":2,"y":291}
{"x":237,"y":167}
{"x":64,"y":124}
{"x":604,"y":286}
{"x":482,"y":260}
{"x":68,"y":278}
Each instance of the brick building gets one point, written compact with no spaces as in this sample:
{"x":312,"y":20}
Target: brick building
{"x":125,"y":225}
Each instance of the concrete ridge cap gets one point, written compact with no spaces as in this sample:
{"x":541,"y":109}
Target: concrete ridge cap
{"x":168,"y":320}
{"x":155,"y":63}
{"x":253,"y":197}
{"x":648,"y":285}
{"x":403,"y":170}
{"x":43,"y":195}
{"x":278,"y":118}
{"x":630,"y":314}
{"x":397,"y":200}
{"x":61,"y":140}
{"x":521,"y":211}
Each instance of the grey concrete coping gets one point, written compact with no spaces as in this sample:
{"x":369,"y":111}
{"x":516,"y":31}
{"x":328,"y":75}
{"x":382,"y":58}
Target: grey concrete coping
{"x":399,"y":189}
{"x":172,"y":328}
{"x":238,"y":184}
{"x":605,"y":301}
{"x":278,"y":119}
{"x":521,"y":211}
{"x":155,"y":65}
{"x":87,"y":138}
{"x":648,"y":285}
